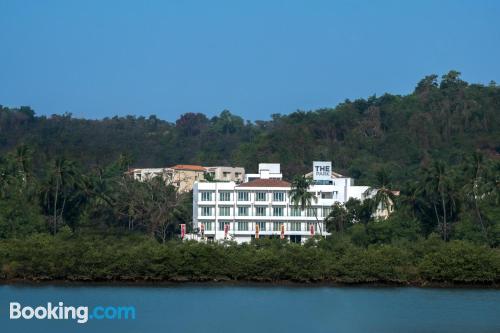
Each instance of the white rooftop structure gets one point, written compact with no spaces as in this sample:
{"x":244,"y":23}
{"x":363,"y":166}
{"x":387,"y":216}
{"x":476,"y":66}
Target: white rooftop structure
{"x":266,"y":171}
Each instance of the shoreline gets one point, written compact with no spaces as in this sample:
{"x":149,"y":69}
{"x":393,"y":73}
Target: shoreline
{"x":245,"y":283}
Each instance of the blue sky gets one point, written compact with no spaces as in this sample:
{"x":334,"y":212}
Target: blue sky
{"x":104,"y":58}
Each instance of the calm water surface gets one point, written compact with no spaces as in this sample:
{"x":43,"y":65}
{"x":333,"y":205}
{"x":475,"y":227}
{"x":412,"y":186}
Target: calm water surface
{"x":263,"y":309}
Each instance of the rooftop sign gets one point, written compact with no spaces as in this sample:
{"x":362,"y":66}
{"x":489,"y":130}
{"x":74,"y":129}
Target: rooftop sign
{"x":322,"y":170}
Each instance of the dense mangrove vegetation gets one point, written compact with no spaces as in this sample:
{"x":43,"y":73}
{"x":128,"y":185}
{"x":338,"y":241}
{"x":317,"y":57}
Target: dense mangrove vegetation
{"x":135,"y":259}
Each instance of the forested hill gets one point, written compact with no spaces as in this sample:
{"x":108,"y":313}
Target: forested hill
{"x":443,"y":119}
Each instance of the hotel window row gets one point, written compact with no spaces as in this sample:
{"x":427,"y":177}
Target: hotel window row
{"x":263,"y":211}
{"x":263,"y":226}
{"x":244,"y":196}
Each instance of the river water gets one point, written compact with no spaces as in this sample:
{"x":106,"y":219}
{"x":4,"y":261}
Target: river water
{"x":208,"y":308}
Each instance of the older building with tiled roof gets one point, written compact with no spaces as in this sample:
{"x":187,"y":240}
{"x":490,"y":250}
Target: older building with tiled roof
{"x":183,"y":176}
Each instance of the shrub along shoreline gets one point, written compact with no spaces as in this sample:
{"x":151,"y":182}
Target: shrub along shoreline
{"x":426,"y":262}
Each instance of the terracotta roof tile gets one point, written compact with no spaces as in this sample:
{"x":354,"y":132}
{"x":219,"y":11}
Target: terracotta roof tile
{"x":189,"y":167}
{"x":266,"y":183}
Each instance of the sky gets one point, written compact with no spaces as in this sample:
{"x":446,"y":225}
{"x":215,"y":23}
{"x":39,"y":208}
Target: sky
{"x":99,"y":59}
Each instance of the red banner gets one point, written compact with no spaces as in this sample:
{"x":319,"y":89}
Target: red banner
{"x":257,"y":229}
{"x":311,"y":229}
{"x":226,"y":230}
{"x":183,"y":231}
{"x":282,"y":236}
{"x":202,"y":229}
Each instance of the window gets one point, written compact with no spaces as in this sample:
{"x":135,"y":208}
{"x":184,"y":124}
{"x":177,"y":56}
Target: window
{"x":295,"y":226}
{"x":208,"y":225}
{"x":260,"y":211}
{"x":206,"y":211}
{"x":262,"y":226}
{"x":222,"y":224}
{"x":278,"y":211}
{"x":278,"y":196}
{"x":326,"y":211}
{"x":277,"y":226}
{"x":335,"y":194}
{"x":326,"y":195}
{"x":311,"y":212}
{"x":294,"y":211}
{"x":242,"y":226}
{"x":224,"y":211}
{"x":242,"y":211}
{"x":206,"y":196}
{"x":260,"y":196}
{"x":243,"y":196}
{"x":225,"y":196}
{"x":226,"y":174}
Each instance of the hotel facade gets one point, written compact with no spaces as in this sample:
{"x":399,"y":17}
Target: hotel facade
{"x":261,"y":206}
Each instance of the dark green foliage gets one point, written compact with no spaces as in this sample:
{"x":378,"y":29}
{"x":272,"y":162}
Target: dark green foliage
{"x":461,"y":262}
{"x":43,"y":257}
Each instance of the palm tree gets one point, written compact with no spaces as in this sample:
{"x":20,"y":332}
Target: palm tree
{"x":301,"y":197}
{"x":476,"y":186}
{"x":412,"y":198}
{"x":63,"y":176}
{"x":23,"y":157}
{"x":338,"y":217}
{"x":438,"y":187}
{"x":383,"y":197}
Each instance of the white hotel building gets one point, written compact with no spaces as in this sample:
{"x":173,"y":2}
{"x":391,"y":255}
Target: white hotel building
{"x":227,"y":210}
